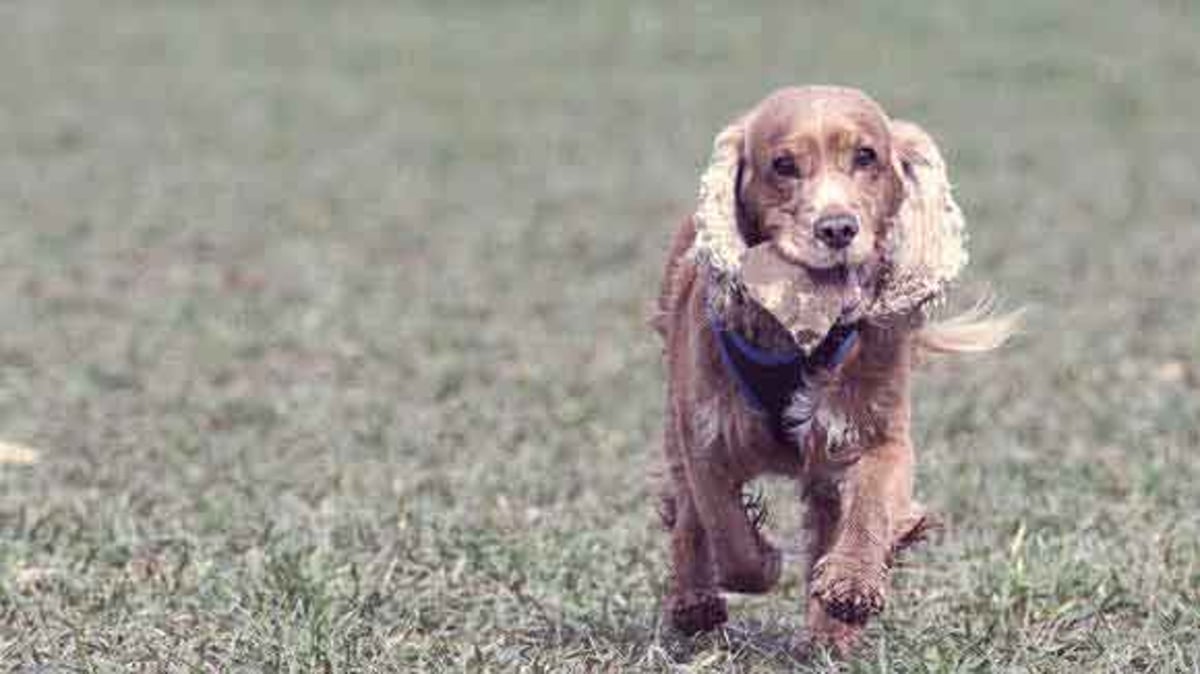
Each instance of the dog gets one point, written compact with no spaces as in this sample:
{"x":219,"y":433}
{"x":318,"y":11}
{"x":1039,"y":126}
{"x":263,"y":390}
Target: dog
{"x":793,"y":306}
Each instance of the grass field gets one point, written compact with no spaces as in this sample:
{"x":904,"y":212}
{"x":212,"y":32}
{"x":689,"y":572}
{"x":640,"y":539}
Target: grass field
{"x":325,"y":321}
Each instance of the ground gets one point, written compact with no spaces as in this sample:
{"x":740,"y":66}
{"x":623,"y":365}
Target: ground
{"x":324,"y":344}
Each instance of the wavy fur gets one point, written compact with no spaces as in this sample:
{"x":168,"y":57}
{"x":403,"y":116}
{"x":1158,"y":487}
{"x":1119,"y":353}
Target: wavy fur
{"x":852,"y":451}
{"x":976,"y":330}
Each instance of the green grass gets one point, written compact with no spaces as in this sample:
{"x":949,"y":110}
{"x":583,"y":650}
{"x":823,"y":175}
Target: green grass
{"x":327,"y":322}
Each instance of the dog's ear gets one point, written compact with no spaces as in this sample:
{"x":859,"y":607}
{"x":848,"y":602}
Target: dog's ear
{"x":719,"y":240}
{"x":928,"y":248}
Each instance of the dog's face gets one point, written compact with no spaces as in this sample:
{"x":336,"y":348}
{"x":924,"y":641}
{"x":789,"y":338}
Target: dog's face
{"x":820,"y":209}
{"x":817,"y":177}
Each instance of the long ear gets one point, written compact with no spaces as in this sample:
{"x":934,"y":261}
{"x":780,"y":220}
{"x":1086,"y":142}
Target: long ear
{"x":929,"y":234}
{"x":719,"y":242}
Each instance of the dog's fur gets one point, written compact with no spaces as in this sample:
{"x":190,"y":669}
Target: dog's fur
{"x":854,"y":461}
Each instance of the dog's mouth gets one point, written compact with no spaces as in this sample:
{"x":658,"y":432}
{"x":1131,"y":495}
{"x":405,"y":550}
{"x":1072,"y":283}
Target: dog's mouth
{"x":819,"y":258}
{"x":838,"y":273}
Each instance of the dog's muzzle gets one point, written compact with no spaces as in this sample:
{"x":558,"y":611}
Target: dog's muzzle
{"x":836,"y":231}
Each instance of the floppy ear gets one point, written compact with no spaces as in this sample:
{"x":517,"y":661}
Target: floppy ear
{"x":929,"y":236}
{"x":719,"y":242}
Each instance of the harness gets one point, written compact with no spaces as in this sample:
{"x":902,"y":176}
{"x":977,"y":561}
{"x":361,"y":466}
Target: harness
{"x":769,"y":380}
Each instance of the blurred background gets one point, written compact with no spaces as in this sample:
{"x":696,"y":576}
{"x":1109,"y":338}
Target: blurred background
{"x":324,"y":346}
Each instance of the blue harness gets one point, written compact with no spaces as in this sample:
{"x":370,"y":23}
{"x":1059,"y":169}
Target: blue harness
{"x":768,"y":380}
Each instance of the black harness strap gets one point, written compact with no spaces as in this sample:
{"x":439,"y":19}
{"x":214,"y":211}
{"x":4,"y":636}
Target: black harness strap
{"x":769,"y":380}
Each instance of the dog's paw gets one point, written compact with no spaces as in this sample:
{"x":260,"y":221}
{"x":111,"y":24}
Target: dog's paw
{"x":850,"y":590}
{"x":755,"y":578}
{"x":824,"y":633}
{"x":696,"y":611}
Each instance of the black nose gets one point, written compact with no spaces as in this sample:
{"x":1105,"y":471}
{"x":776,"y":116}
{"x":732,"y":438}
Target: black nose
{"x":836,"y":231}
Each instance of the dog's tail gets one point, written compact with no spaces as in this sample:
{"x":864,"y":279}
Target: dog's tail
{"x":975,"y":330}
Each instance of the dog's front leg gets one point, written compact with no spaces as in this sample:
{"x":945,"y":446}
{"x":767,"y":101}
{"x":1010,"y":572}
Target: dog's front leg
{"x":693,"y":604}
{"x":850,"y":580}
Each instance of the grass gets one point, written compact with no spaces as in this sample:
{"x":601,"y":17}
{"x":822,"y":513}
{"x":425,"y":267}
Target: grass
{"x":326,"y":324}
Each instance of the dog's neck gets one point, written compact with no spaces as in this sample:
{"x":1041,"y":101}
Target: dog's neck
{"x":752,"y":322}
{"x":739,"y":312}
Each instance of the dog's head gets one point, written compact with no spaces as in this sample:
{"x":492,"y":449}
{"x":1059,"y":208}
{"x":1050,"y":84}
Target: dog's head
{"x":817,"y":178}
{"x":815,"y":193}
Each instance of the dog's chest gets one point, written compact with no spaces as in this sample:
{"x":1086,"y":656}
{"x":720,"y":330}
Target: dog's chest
{"x":786,"y":387}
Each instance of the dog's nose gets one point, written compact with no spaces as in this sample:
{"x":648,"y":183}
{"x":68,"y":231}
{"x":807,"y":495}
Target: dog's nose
{"x":836,"y":231}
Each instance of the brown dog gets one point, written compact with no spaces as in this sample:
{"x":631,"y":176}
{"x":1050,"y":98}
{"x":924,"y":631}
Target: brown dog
{"x":791,"y":307}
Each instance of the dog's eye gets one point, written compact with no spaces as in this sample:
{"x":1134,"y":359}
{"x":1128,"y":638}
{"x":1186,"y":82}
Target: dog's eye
{"x":785,"y":165}
{"x":865,"y":157}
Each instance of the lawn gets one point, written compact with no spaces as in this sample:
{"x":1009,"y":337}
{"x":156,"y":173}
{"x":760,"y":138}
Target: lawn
{"x":323,"y":331}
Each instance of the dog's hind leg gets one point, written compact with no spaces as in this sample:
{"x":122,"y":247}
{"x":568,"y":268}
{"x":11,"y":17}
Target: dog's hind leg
{"x":745,"y":563}
{"x":745,"y":560}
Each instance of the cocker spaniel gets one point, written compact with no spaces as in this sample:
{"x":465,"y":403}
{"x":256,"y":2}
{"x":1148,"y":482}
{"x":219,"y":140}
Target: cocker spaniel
{"x":792,"y":306}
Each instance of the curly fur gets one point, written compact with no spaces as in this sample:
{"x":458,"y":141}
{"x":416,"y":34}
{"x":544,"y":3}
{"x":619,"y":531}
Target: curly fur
{"x":852,"y":454}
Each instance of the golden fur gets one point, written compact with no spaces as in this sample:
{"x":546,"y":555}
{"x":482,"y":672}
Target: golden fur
{"x":854,"y":459}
